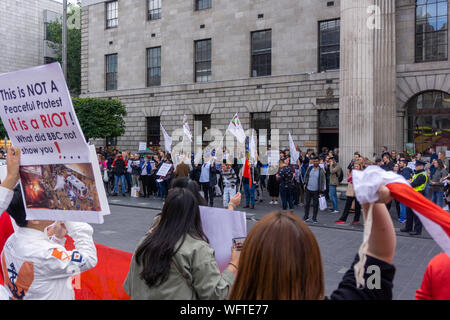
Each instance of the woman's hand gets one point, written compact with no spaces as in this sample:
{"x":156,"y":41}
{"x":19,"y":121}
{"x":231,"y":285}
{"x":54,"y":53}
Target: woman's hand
{"x":235,"y":201}
{"x":13,"y":165}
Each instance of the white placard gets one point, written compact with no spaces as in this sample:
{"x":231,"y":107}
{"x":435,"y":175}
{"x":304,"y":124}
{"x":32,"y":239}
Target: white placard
{"x":164,"y":170}
{"x":221,"y":226}
{"x":142,"y":146}
{"x":412,"y":165}
{"x":447,"y":153}
{"x":58,"y":174}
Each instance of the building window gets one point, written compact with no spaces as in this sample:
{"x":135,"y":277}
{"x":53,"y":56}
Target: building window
{"x":329,"y":45}
{"x":428,"y":121}
{"x":153,"y":131}
{"x":431,"y":30}
{"x":203,"y":60}
{"x":111,"y":72}
{"x":261,"y":53}
{"x":112,"y":14}
{"x":111,"y":141}
{"x":154,"y":9}
{"x":203,"y":4}
{"x":154,"y":66}
{"x":259,"y":121}
{"x":206,"y":125}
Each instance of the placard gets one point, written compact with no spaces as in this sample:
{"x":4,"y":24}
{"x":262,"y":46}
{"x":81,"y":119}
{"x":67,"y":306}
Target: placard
{"x":58,"y":172}
{"x":221,"y":226}
{"x":142,"y":146}
{"x":164,"y":170}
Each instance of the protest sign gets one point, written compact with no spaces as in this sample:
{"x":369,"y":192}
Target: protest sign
{"x":412,"y":165}
{"x":164,"y":170}
{"x":221,"y":226}
{"x":142,"y":146}
{"x":57,"y":170}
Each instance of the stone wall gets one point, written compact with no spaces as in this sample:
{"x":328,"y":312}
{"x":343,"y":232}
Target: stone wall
{"x":293,"y":102}
{"x":22,"y":32}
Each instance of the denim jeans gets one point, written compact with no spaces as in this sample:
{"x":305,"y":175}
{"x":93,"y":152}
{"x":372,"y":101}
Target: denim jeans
{"x":402,"y":211}
{"x":116,"y":183}
{"x":249,"y":194}
{"x":228,"y":193}
{"x":286,"y":197}
{"x":333,"y":197}
{"x":438,"y":198}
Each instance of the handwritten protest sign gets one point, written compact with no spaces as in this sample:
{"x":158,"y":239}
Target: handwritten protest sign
{"x":221,"y":226}
{"x":164,"y":170}
{"x":142,"y":146}
{"x":57,"y":170}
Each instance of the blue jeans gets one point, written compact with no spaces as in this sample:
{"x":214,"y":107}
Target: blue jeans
{"x":333,"y":197}
{"x":286,"y":197}
{"x":249,"y":194}
{"x":402,"y":211}
{"x":228,"y":193}
{"x":116,"y":183}
{"x":438,"y":198}
{"x":162,"y":192}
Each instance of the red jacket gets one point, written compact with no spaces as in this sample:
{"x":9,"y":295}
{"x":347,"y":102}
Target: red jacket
{"x":436,"y":281}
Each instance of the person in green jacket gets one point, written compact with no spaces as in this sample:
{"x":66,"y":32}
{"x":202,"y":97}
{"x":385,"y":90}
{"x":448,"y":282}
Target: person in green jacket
{"x":174,"y":261}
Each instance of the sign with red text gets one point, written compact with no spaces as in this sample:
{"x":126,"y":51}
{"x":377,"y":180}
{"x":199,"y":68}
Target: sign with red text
{"x":37,"y":112}
{"x":57,"y":172}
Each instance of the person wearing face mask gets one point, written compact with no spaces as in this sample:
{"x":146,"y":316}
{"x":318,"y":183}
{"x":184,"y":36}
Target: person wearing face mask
{"x":35,"y":264}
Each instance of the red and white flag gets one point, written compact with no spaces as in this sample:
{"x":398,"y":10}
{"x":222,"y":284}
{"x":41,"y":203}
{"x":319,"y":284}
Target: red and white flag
{"x":435,"y":220}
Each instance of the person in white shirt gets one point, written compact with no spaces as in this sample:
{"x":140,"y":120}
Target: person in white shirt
{"x":34,"y":262}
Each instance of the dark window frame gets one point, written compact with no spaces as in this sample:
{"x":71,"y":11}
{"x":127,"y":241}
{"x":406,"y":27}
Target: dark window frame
{"x":204,"y":118}
{"x":157,"y":12}
{"x":206,"y":4}
{"x":267,"y":116}
{"x":107,"y":79}
{"x":268,"y":66}
{"x":152,"y":136}
{"x":107,"y":26}
{"x":424,"y":60}
{"x":208,"y":72}
{"x":319,"y":46}
{"x":149,"y":68}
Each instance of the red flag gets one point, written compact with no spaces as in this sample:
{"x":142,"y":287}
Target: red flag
{"x":247,"y":172}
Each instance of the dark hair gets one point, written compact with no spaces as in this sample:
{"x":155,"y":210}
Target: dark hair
{"x":180,"y":216}
{"x":185,"y":182}
{"x":440,"y":163}
{"x":16,"y":208}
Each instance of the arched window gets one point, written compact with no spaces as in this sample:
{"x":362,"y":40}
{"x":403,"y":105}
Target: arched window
{"x":429,"y":120}
{"x":431,"y":30}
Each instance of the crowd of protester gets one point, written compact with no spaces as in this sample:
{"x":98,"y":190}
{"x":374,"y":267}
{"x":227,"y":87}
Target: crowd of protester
{"x":175,"y":261}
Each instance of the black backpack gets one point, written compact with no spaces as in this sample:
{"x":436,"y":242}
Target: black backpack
{"x":341,"y":176}
{"x":119,"y":166}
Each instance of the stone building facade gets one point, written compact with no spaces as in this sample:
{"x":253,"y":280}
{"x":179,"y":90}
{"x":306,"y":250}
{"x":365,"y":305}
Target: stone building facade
{"x":299,"y":95}
{"x":22,"y":32}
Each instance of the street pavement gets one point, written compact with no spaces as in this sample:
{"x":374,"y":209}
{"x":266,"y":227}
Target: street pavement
{"x":131,"y":217}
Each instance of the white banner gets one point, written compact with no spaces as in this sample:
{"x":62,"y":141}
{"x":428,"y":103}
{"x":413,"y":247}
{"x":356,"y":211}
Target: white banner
{"x":167,"y":140}
{"x":164,"y":169}
{"x":142,"y":146}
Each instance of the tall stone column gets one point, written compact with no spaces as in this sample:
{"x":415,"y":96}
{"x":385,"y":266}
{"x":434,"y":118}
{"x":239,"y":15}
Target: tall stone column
{"x":367,"y":107}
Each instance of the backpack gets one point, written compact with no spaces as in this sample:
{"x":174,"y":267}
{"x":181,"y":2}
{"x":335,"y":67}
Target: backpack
{"x":119,"y":167}
{"x":341,"y":176}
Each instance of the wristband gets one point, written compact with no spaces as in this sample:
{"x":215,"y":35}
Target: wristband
{"x":233,"y":265}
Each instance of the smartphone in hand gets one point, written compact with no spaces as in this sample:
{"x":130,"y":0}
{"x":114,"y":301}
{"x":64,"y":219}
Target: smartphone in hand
{"x":238,"y":243}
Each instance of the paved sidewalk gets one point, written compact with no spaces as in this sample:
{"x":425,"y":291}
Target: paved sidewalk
{"x":326,"y":219}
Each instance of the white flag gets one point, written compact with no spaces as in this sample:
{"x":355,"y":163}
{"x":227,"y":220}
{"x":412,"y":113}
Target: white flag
{"x":236,"y":129}
{"x":293,"y":151}
{"x":167,"y":140}
{"x":186,"y":129}
{"x":252,"y":147}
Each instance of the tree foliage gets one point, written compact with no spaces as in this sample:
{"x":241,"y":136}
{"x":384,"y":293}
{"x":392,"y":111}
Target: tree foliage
{"x":100,"y":118}
{"x":54,"y":34}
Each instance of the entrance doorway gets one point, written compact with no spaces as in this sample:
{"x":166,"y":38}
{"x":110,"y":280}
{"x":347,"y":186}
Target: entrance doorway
{"x":328,"y":129}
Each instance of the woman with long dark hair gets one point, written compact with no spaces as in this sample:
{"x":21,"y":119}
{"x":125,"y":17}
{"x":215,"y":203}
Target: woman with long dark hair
{"x":174,"y":260}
